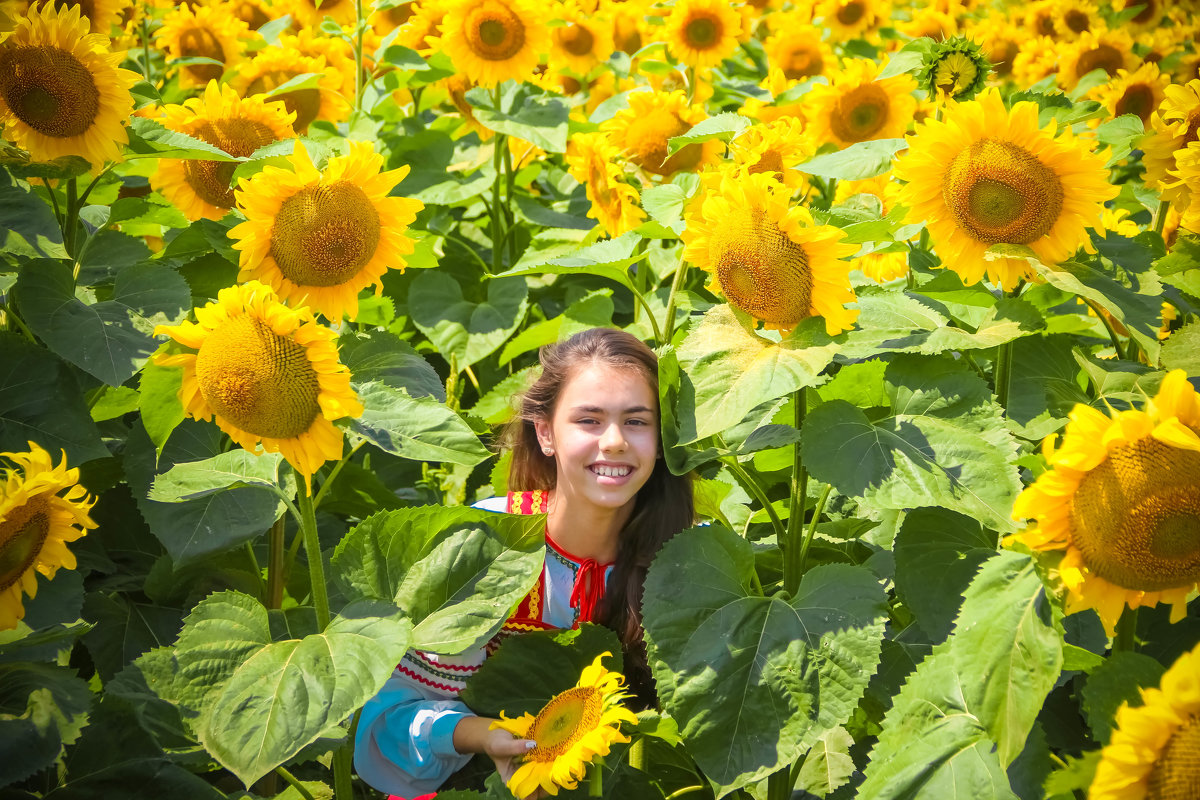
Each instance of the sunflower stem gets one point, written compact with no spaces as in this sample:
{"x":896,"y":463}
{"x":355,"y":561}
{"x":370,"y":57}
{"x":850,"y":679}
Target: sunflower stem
{"x":275,"y":563}
{"x":812,"y":527}
{"x":498,"y":142}
{"x":1125,"y":640}
{"x":676,"y":282}
{"x":325,"y":484}
{"x":54,"y":202}
{"x":71,"y":217}
{"x":637,"y":754}
{"x":752,"y":486}
{"x":256,"y":569}
{"x":793,"y":550}
{"x":1112,"y":332}
{"x":596,"y":778}
{"x":145,"y":32}
{"x":294,"y":783}
{"x":359,"y":24}
{"x":778,"y":787}
{"x":1003,"y":374}
{"x":1160,"y":216}
{"x":312,"y":550}
{"x":343,"y":785}
{"x":510,"y":220}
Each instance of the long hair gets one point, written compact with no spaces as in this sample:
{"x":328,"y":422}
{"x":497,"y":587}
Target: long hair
{"x":662,"y":507}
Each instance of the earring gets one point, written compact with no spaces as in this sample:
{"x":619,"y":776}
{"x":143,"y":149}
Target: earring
{"x":548,"y":451}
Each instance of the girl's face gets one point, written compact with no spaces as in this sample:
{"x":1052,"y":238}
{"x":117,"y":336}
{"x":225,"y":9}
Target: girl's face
{"x":604,"y":434}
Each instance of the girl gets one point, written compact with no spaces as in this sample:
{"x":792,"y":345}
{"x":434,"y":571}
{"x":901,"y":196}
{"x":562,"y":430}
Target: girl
{"x":586,"y":450}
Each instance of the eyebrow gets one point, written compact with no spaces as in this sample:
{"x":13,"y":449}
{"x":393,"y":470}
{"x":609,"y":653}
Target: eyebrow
{"x":599,"y":410}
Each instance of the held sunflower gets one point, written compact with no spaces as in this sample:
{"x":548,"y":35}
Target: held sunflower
{"x":595,"y":162}
{"x":702,"y":33}
{"x":61,"y":91}
{"x":269,"y":374}
{"x":495,"y":40}
{"x":855,"y":107}
{"x":238,"y":126}
{"x":202,"y":32}
{"x":571,"y":730}
{"x":37,"y":519}
{"x":319,"y":237}
{"x":1122,"y":498}
{"x":983,"y":176}
{"x":1154,"y":752}
{"x":767,"y":256}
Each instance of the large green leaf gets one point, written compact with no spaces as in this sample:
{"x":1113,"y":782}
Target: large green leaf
{"x":149,"y":138}
{"x":284,"y":696}
{"x":107,"y":339}
{"x":728,"y":370}
{"x":41,"y":402}
{"x":420,"y":428}
{"x":1046,"y":385}
{"x":609,"y":259}
{"x":943,"y":443}
{"x":527,"y":670}
{"x":457,"y":572}
{"x":593,"y":310}
{"x":859,"y":160}
{"x":1118,"y":680}
{"x":1182,"y":349}
{"x":526,"y":112}
{"x":124,"y":629}
{"x":386,"y":358}
{"x":158,"y":401}
{"x":785,"y":670}
{"x":937,"y":554}
{"x":967,"y":711}
{"x":27,"y":224}
{"x":42,"y":709}
{"x":201,"y":527}
{"x":195,"y":479}
{"x":460,"y":328}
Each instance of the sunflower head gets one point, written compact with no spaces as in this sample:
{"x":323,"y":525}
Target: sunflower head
{"x":61,"y":91}
{"x":797,"y":48}
{"x":767,"y":256}
{"x":570,"y":731}
{"x":1110,"y":51}
{"x":269,"y":374}
{"x":646,"y":127}
{"x":42,"y":507}
{"x":1122,"y":498}
{"x":955,"y":69}
{"x":595,"y":162}
{"x":494,"y":40}
{"x":319,"y":238}
{"x":702,"y":33}
{"x":775,"y":149}
{"x":272,"y":67}
{"x":209,"y":31}
{"x":1154,"y":752}
{"x":851,"y":19}
{"x":584,"y":41}
{"x":855,"y":107}
{"x":1139,"y":92}
{"x":1175,"y":128}
{"x":984,"y":175}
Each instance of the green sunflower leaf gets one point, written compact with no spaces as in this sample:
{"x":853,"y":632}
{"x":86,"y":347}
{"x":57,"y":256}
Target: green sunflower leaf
{"x":723,"y":127}
{"x":856,"y":162}
{"x":417,"y":428}
{"x":467,"y":330}
{"x":525,"y":112}
{"x":195,"y":479}
{"x":43,"y":708}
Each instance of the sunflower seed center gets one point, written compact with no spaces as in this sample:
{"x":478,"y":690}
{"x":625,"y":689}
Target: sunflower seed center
{"x":201,"y":43}
{"x":210,"y":180}
{"x":1104,"y":56}
{"x":702,"y":33}
{"x":494,"y":32}
{"x":1176,"y":773}
{"x":762,"y":271}
{"x":851,"y":13}
{"x":563,"y":722}
{"x":1138,"y":99}
{"x":1077,"y":21}
{"x":1000,"y":192}
{"x":576,"y":40}
{"x":325,"y":234}
{"x":49,"y":90}
{"x":22,"y":534}
{"x":860,"y":114}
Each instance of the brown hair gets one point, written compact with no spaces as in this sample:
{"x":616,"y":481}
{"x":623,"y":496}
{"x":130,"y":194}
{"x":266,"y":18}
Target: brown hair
{"x":662,"y":507}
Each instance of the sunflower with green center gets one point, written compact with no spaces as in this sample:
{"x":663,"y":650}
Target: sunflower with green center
{"x":702,"y":33}
{"x":202,"y":32}
{"x":1122,"y":498}
{"x":1110,"y":51}
{"x":1154,"y":752}
{"x":1139,"y":92}
{"x":495,"y":40}
{"x":42,"y":507}
{"x":238,"y":126}
{"x":775,"y":149}
{"x":571,"y":730}
{"x":595,"y":162}
{"x":646,"y":127}
{"x":856,"y":107}
{"x":1175,"y":127}
{"x":61,"y":91}
{"x":851,"y":19}
{"x":269,"y":374}
{"x":984,"y":175}
{"x":272,"y":67}
{"x":797,"y":48}
{"x":767,"y":256}
{"x":318,"y":238}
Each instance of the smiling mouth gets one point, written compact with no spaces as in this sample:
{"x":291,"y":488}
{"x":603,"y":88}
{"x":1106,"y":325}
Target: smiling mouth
{"x":611,"y":472}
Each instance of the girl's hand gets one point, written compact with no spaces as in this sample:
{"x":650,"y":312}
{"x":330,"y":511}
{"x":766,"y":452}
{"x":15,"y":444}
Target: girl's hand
{"x":473,"y":735}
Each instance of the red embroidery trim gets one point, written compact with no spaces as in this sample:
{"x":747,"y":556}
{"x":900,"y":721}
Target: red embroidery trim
{"x":444,"y":687}
{"x":440,"y":665}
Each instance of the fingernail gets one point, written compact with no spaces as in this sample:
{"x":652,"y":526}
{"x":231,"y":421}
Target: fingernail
{"x":530,"y":744}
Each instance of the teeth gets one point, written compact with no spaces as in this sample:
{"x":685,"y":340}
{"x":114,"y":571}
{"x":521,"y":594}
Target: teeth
{"x":612,"y":472}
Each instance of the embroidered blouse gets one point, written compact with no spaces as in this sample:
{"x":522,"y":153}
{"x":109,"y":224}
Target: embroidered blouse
{"x":405,"y":740}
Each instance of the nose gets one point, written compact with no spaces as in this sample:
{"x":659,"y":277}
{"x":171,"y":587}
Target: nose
{"x":613,"y":439}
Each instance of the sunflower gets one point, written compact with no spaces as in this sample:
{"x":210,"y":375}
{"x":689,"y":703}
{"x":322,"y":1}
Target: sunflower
{"x":1122,"y":498}
{"x":1139,"y":92}
{"x":855,"y":107}
{"x":955,"y":69}
{"x":1077,"y":16}
{"x":984,"y":176}
{"x":202,"y":32}
{"x":775,"y":149}
{"x":1108,"y":50}
{"x":702,"y":33}
{"x":220,"y":117}
{"x":629,"y":25}
{"x":1188,"y":174}
{"x":100,"y":14}
{"x":882,"y":186}
{"x":1041,"y":19}
{"x":1000,"y":40}
{"x":1175,"y":128}
{"x":319,"y":237}
{"x":310,"y":13}
{"x":650,"y":121}
{"x":796,"y":48}
{"x":1150,"y":16}
{"x":422,"y":30}
{"x":593,"y":161}
{"x":337,"y":52}
{"x":766,"y":255}
{"x":495,"y":40}
{"x":268,"y":373}
{"x":1154,"y":752}
{"x":930,"y":22}
{"x":255,"y":13}
{"x":272,"y":67}
{"x":61,"y":91}
{"x":1037,"y":59}
{"x":571,"y":730}
{"x":851,"y":19}
{"x":36,"y":521}
{"x":386,"y":20}
{"x":583,"y":42}
{"x":776,"y":84}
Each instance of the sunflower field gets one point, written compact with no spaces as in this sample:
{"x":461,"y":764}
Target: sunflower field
{"x":924,"y":284}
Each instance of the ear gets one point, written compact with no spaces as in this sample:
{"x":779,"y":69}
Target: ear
{"x":544,"y":437}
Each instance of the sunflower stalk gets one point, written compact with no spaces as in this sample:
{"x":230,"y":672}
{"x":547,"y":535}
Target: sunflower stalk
{"x":676,"y":283}
{"x":292,"y":781}
{"x":498,"y":233}
{"x":752,"y":486}
{"x":1112,"y":332}
{"x":779,"y":785}
{"x":793,"y":550}
{"x":1125,"y":640}
{"x":359,"y":25}
{"x":812,"y":528}
{"x":312,"y":550}
{"x":510,"y":220}
{"x":1160,"y":216}
{"x":596,"y":778}
{"x":1003,"y":374}
{"x":276,"y":570}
